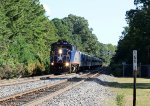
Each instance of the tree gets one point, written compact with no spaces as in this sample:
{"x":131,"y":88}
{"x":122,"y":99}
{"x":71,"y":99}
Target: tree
{"x":136,"y":35}
{"x":26,"y":34}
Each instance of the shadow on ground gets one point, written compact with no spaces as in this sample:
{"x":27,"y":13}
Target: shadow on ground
{"x":120,"y":85}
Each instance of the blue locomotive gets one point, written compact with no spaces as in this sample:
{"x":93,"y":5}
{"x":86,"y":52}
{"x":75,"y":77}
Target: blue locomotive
{"x":64,"y":57}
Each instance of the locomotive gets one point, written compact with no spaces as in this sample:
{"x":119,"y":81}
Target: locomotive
{"x":64,"y":58}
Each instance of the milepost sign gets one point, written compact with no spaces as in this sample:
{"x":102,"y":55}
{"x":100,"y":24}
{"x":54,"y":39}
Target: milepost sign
{"x":135,"y":60}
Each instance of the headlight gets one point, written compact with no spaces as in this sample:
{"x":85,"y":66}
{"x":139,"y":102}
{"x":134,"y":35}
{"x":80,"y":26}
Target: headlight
{"x":60,"y":51}
{"x":66,"y":64}
{"x":52,"y":63}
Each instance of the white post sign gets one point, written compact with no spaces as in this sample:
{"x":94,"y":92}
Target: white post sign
{"x":134,"y":60}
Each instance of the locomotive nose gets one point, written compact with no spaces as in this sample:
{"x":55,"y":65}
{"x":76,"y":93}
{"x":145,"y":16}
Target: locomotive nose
{"x":59,"y":58}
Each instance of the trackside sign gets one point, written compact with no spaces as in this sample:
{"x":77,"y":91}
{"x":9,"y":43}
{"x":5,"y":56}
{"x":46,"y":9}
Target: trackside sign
{"x":134,"y":59}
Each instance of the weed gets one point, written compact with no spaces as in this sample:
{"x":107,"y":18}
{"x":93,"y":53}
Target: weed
{"x":120,"y":100}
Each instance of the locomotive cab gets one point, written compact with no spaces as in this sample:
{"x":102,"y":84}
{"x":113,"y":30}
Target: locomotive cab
{"x":60,"y":57}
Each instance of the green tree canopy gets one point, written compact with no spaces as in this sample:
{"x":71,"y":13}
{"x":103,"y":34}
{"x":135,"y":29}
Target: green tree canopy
{"x":137,"y":35}
{"x":25,"y":33}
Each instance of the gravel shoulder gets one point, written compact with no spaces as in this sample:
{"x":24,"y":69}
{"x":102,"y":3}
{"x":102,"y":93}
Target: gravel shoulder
{"x":90,"y":93}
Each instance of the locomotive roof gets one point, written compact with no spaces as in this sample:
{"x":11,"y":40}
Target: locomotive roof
{"x":61,"y":42}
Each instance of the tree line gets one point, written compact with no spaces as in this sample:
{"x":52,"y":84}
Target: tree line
{"x":26,"y":35}
{"x":135,"y":36}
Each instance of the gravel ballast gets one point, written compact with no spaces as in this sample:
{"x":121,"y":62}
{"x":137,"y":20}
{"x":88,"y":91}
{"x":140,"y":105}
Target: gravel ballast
{"x":13,"y":89}
{"x":90,"y":93}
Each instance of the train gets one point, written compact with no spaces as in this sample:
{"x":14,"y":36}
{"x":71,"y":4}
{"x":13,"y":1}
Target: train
{"x":65,"y":58}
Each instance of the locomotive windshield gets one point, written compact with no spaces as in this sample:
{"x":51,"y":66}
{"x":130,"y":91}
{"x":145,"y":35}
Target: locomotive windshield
{"x":60,"y":51}
{"x":61,"y":47}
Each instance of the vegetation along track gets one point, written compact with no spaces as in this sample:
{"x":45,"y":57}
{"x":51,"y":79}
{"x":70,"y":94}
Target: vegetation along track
{"x":38,"y":95}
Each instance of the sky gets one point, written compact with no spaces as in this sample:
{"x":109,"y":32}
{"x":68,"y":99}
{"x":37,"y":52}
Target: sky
{"x":105,"y":17}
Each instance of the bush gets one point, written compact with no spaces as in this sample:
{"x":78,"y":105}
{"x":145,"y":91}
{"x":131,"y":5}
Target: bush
{"x":6,"y":72}
{"x":18,"y":71}
{"x":120,"y":100}
{"x":36,"y":69}
{"x":1,"y":72}
{"x":116,"y":69}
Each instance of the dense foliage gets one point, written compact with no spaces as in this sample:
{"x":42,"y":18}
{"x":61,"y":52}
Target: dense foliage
{"x":136,"y":36}
{"x":26,"y":34}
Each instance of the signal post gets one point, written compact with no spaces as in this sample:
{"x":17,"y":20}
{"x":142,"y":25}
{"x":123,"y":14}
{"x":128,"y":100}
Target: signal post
{"x":135,"y":75}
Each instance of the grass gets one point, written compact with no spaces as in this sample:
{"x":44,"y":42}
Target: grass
{"x":123,"y":87}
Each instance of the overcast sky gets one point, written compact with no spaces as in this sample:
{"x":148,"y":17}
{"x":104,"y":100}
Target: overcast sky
{"x":106,"y":17}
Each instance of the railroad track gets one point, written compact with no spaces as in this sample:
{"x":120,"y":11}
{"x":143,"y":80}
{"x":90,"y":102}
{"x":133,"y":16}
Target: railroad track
{"x":6,"y":91}
{"x":38,"y":95}
{"x":30,"y":79}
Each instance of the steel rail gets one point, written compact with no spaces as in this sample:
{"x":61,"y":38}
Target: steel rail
{"x":30,"y":79}
{"x":33,"y":90}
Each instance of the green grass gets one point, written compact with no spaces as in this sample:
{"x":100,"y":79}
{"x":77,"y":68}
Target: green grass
{"x":124,"y":89}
